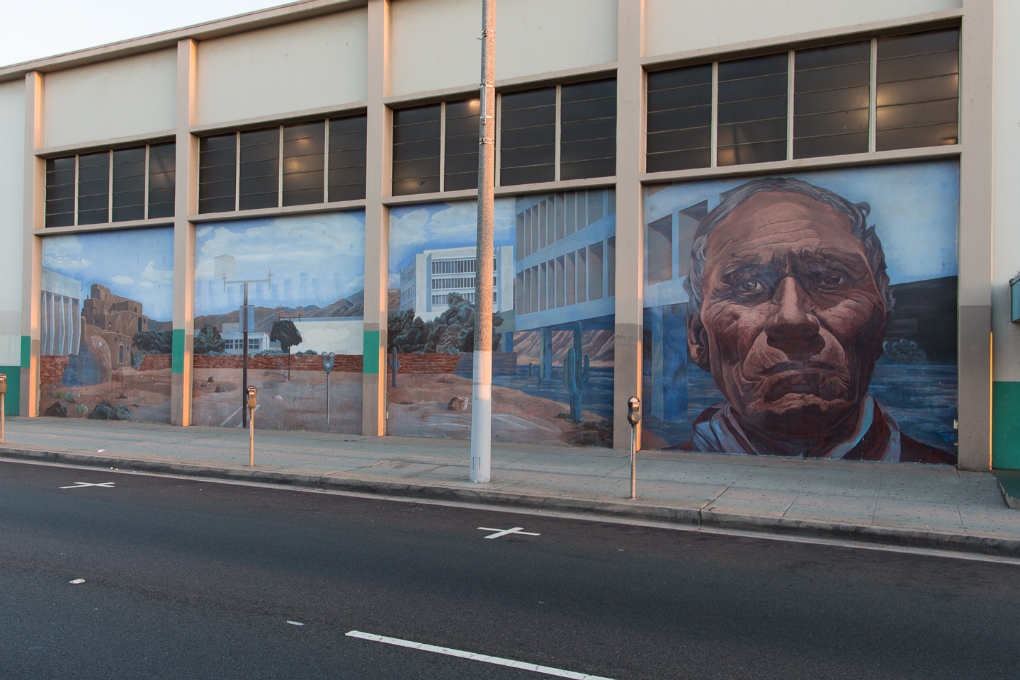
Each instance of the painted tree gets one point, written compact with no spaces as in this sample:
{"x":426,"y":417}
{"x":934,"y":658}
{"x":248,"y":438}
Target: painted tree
{"x":286,"y":333}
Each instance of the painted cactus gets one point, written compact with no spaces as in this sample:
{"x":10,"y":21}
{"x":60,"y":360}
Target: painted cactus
{"x":394,"y":363}
{"x":576,"y":373}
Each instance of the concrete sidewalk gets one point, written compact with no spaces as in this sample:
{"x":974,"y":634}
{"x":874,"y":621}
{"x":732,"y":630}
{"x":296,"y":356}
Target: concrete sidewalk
{"x":907,"y":505}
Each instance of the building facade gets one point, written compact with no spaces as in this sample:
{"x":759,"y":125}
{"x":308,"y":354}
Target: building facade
{"x":637,"y":154}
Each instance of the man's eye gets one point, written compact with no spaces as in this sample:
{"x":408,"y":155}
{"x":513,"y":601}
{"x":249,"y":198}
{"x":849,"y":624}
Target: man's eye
{"x":750,"y":286}
{"x":831,"y":280}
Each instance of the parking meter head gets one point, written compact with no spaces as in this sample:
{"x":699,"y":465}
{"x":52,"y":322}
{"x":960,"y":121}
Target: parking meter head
{"x":328,"y":360}
{"x":252,"y":392}
{"x":633,"y":411}
{"x":3,"y":383}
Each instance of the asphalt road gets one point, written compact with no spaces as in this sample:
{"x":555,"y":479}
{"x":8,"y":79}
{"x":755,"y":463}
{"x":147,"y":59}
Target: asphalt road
{"x":194,"y":579}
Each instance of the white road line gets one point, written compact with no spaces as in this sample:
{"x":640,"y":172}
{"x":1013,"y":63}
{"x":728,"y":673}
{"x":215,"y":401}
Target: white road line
{"x":504,"y":532}
{"x":82,"y":485}
{"x":295,"y":623}
{"x":484,"y":658}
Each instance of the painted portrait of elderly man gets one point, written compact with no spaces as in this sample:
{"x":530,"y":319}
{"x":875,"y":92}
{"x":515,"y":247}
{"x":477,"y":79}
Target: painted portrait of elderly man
{"x":789,"y":306}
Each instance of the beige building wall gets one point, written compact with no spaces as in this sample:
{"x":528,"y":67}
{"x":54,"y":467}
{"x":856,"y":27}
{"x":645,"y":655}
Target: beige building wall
{"x":689,"y":25}
{"x":112,"y":100}
{"x":12,"y":225}
{"x":305,"y":65}
{"x":420,"y":62}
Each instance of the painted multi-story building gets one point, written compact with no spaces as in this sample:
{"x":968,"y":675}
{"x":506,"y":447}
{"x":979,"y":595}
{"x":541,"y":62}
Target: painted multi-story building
{"x":115,"y":319}
{"x":353,"y":105}
{"x":432,"y":275}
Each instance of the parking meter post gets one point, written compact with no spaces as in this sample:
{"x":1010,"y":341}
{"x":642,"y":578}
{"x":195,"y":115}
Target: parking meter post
{"x":3,"y":393}
{"x":633,"y":417}
{"x":252,"y":392}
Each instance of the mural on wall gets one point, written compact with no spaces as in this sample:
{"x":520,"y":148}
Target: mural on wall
{"x":553,"y":309}
{"x":105,"y":322}
{"x":806,"y":315}
{"x":304,"y":281}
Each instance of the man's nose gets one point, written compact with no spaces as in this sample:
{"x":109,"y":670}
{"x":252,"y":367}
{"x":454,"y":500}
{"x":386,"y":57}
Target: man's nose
{"x":792,"y":328}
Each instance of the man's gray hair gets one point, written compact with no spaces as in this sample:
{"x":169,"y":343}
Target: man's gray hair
{"x":857,"y":212}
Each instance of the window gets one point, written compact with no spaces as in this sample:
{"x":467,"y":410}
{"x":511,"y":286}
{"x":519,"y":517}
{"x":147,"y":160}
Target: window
{"x":347,"y":143}
{"x":918,"y":90}
{"x":558,"y":133}
{"x":60,"y":192}
{"x":832,"y":94}
{"x":217,"y":174}
{"x":110,"y":186}
{"x":588,"y":130}
{"x":416,"y":150}
{"x":460,"y":154}
{"x":752,"y":110}
{"x":679,"y":132}
{"x":595,"y":271}
{"x":129,"y":184}
{"x":915,"y":103}
{"x":94,"y":188}
{"x":527,"y":128}
{"x":298,"y":164}
{"x":659,"y":250}
{"x":304,"y":163}
{"x":162,"y":180}
{"x":259,"y":175}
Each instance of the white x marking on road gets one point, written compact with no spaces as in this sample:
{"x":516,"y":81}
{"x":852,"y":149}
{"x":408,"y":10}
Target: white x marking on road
{"x":504,"y":532}
{"x":82,"y":485}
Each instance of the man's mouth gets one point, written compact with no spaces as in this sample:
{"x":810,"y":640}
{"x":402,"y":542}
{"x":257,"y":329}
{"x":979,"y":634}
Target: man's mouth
{"x":824,"y":384}
{"x":797,"y":367}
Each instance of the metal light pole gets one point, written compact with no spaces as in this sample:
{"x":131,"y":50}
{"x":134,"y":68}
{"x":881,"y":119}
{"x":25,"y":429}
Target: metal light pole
{"x":481,"y":388}
{"x":225,"y":269}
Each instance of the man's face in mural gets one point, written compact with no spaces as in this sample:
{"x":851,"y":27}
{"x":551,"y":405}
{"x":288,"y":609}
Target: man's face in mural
{"x":791,"y":321}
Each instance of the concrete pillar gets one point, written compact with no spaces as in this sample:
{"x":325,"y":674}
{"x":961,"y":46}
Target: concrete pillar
{"x":185,"y":204}
{"x":630,"y":145}
{"x":975,"y":310}
{"x":34,"y":219}
{"x":377,"y":228}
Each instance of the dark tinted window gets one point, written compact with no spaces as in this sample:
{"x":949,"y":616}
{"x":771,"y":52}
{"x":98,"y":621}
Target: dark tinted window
{"x":94,"y":188}
{"x":528,"y":137}
{"x":461,"y":153}
{"x":260,"y":169}
{"x":752,"y":110}
{"x":304,"y":159}
{"x":60,"y":192}
{"x":129,"y":184}
{"x":832,"y":92}
{"x":588,"y":130}
{"x":679,"y":119}
{"x":416,"y":150}
{"x":217,"y":173}
{"x":918,"y":90}
{"x":347,"y":158}
{"x":162,"y":176}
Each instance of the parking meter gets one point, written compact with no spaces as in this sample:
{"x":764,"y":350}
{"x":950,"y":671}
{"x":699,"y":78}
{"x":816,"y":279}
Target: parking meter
{"x":633,"y":417}
{"x":252,"y":394}
{"x":3,"y":391}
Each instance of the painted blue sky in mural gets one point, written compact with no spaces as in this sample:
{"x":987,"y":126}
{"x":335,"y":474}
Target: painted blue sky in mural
{"x":315,"y":260}
{"x":137,"y":264}
{"x":915,"y":209}
{"x":415,"y":228}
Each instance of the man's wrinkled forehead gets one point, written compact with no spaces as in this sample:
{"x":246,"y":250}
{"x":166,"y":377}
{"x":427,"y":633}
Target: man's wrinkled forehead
{"x":778,"y":221}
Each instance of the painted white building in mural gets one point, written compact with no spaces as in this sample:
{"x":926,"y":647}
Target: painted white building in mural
{"x":428,"y":280}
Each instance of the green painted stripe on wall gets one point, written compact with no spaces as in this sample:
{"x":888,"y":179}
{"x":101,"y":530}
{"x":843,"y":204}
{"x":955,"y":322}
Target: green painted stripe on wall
{"x":371,"y":350}
{"x":1006,"y":425}
{"x":26,"y":351}
{"x":12,"y":400}
{"x":177,"y":356}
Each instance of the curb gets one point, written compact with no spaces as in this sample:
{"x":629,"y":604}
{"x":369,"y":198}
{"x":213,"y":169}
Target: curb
{"x":694,"y":518}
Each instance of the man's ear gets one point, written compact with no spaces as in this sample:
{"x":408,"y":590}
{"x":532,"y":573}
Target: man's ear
{"x":697,"y":342}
